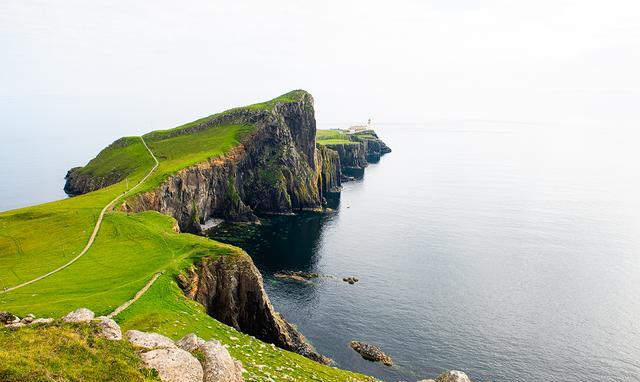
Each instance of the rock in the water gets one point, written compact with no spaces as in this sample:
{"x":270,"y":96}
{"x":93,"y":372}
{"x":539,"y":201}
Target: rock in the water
{"x":190,"y":342}
{"x":173,"y":364}
{"x":350,"y":280}
{"x":302,"y":277}
{"x":42,"y":321}
{"x":149,"y":340}
{"x":8,"y":318}
{"x":218,"y":364}
{"x":453,"y":376}
{"x":79,"y":315}
{"x":371,"y":352}
{"x":109,"y":329}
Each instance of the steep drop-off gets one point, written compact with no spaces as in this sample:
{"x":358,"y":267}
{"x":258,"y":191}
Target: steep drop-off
{"x":231,"y":290}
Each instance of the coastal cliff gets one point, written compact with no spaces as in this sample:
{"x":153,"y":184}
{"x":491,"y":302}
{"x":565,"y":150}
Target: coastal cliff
{"x":356,"y":150}
{"x":231,"y":290}
{"x":268,"y":163}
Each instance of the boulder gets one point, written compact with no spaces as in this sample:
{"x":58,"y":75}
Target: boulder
{"x":15,"y":325}
{"x":28,"y":319}
{"x":218,"y":364}
{"x":42,"y":321}
{"x":190,"y":342}
{"x":149,"y":340}
{"x":173,"y":364}
{"x":8,"y":318}
{"x":371,"y":352}
{"x":79,"y":315}
{"x":109,"y":329}
{"x":453,"y":376}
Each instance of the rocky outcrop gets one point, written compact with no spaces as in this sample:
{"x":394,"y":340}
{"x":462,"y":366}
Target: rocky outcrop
{"x":80,"y":181}
{"x":109,"y":329}
{"x":352,"y":155}
{"x":371,"y":352}
{"x":231,"y":290}
{"x":218,"y":364}
{"x":173,"y":365}
{"x":79,"y":315}
{"x":365,"y":147}
{"x":277,"y":169}
{"x":148,"y":340}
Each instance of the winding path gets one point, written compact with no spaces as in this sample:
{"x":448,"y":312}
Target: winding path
{"x":136,"y":297}
{"x":95,"y":229}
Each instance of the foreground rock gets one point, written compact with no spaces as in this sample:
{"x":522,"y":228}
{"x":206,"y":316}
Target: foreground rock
{"x":109,"y":329}
{"x":149,"y":340}
{"x":174,"y":364}
{"x":79,"y":315}
{"x":449,"y":376}
{"x":190,"y":342}
{"x":232,"y":291}
{"x":371,"y":352}
{"x":7,"y":318}
{"x":218,"y":364}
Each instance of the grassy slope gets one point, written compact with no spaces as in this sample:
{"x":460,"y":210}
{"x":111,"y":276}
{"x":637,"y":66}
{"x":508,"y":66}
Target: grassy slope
{"x":333,"y":137}
{"x":129,"y":249}
{"x":67,"y":353}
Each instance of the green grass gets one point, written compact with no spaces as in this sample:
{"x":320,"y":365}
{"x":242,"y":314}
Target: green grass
{"x":333,"y":137}
{"x":67,"y":352}
{"x":164,"y":309}
{"x":128,"y":251}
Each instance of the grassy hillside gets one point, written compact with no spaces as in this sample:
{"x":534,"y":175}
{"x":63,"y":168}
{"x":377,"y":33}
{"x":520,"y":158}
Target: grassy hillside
{"x":67,"y":353}
{"x":128,"y":251}
{"x":333,"y":137}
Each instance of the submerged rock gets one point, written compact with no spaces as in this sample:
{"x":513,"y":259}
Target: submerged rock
{"x":173,"y":365}
{"x":79,"y":315}
{"x":149,"y":340}
{"x":299,"y":276}
{"x":218,"y":365}
{"x":371,"y":352}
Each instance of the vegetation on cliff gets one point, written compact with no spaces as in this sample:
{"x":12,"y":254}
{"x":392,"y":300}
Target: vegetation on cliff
{"x":131,"y":247}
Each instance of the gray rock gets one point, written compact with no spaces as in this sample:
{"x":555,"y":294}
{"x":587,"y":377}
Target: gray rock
{"x":371,"y":352}
{"x":190,"y":342}
{"x":109,"y":329}
{"x":42,"y":321}
{"x":15,"y":325}
{"x":149,"y":340}
{"x":453,"y":376}
{"x":8,"y":318}
{"x":79,"y":315}
{"x":173,"y":364}
{"x":28,"y":319}
{"x":218,"y":364}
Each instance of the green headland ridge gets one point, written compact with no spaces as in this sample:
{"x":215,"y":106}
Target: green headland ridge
{"x":233,"y":165}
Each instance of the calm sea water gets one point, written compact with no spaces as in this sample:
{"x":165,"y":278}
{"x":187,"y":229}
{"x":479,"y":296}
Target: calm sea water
{"x":508,"y":251}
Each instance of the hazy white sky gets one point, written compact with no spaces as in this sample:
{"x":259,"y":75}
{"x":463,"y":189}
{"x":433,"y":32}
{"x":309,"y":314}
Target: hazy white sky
{"x":123,"y":67}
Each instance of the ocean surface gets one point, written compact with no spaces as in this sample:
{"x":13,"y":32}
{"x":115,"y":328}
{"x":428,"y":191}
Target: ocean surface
{"x":510,"y":251}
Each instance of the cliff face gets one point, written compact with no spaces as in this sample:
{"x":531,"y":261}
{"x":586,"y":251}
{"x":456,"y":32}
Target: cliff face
{"x":275,"y":170}
{"x":366,"y":147}
{"x":231,"y":290}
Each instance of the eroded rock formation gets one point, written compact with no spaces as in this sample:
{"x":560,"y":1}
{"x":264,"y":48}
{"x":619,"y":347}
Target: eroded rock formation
{"x":231,"y":290}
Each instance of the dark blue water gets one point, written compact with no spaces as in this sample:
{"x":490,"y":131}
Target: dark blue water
{"x":508,"y":251}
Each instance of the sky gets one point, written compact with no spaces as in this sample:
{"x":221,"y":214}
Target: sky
{"x":87,"y":72}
